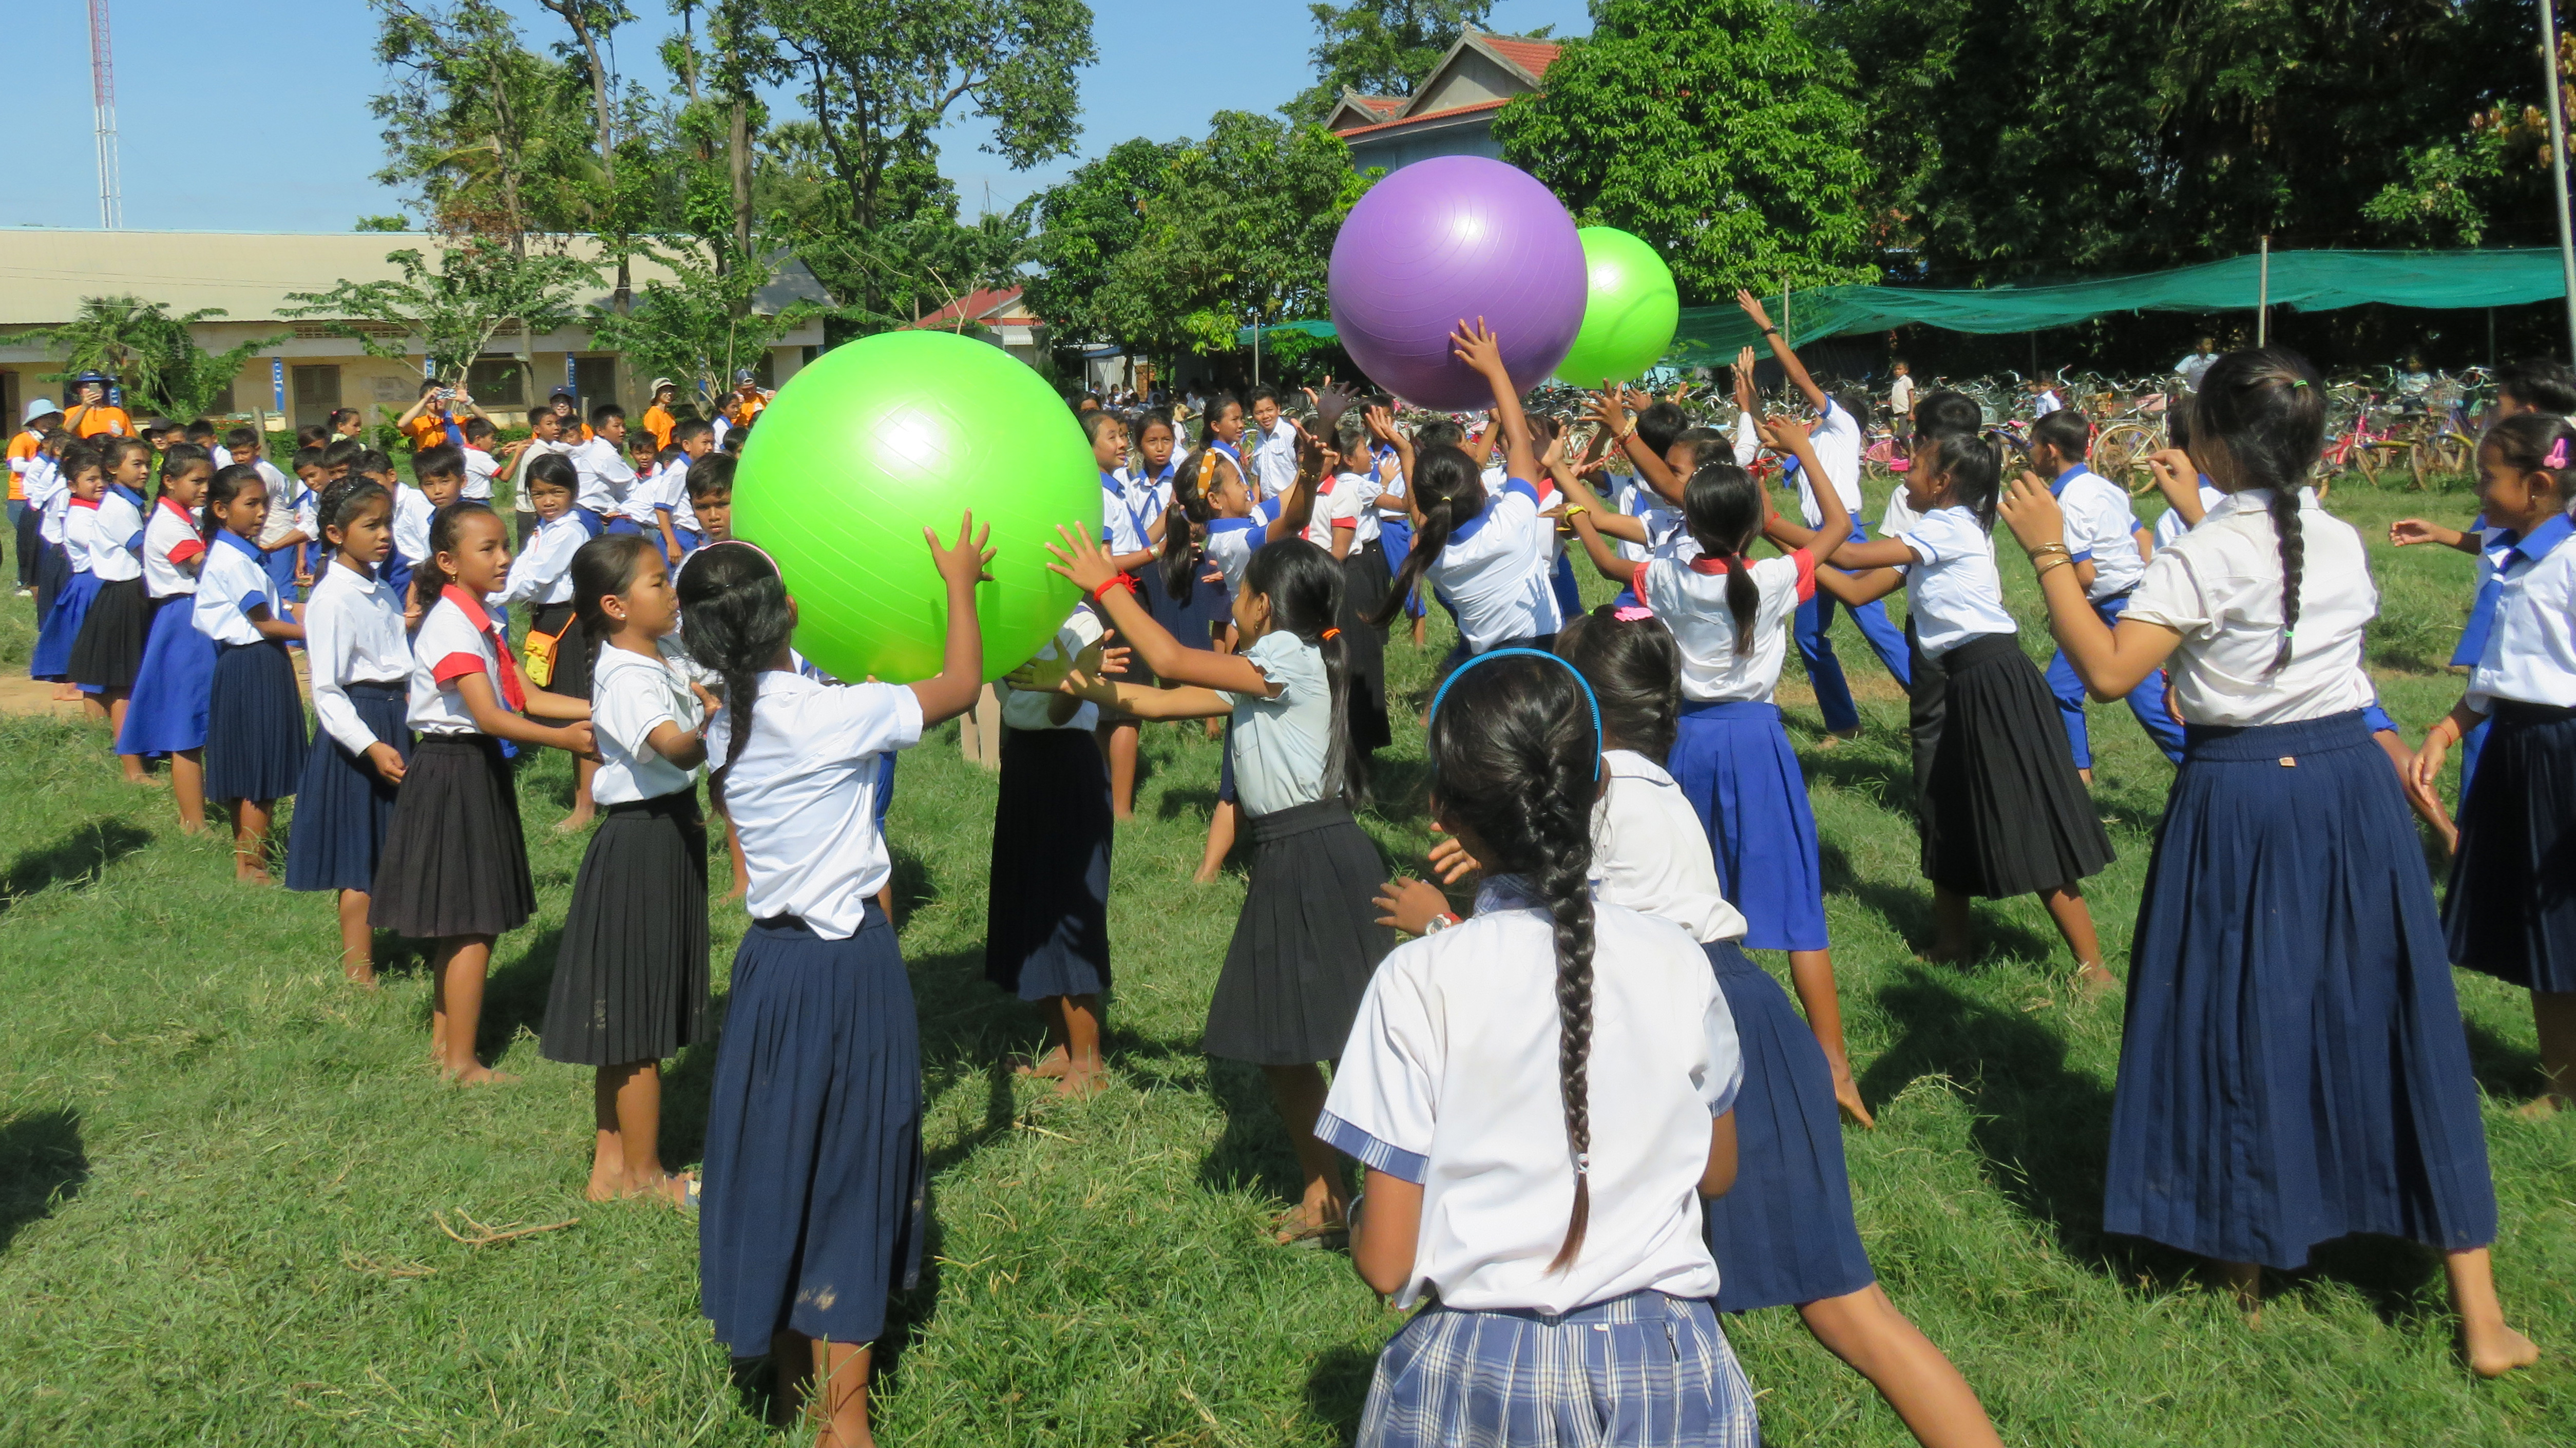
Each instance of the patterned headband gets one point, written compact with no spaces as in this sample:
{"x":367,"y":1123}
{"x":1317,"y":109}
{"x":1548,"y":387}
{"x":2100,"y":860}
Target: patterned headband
{"x":727,"y":543}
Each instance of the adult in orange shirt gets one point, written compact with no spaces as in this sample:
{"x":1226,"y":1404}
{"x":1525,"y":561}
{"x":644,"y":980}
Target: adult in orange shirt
{"x":432,"y":421}
{"x":748,"y":399}
{"x":92,"y":414}
{"x":42,"y":417}
{"x":657,"y":418}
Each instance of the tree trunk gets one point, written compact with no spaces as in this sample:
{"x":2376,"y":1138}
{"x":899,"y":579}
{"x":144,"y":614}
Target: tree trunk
{"x":738,"y":162}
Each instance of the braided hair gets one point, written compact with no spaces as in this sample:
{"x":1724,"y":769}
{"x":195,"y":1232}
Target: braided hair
{"x":735,"y":619}
{"x":2264,"y":409}
{"x":1635,"y":670}
{"x":1514,"y":757}
{"x":1722,"y":506}
{"x":341,"y":503}
{"x":1449,"y":490}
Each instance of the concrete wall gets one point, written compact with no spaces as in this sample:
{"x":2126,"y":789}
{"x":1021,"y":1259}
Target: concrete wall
{"x":1467,"y":136}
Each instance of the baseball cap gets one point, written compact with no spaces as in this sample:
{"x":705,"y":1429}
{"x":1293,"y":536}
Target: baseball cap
{"x":563,"y":390}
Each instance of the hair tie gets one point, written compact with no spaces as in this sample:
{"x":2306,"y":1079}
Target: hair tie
{"x":2298,"y":382}
{"x":727,"y":543}
{"x":1580,"y":682}
{"x":1632,"y":613}
{"x":2557,"y":453}
{"x":1330,"y":634}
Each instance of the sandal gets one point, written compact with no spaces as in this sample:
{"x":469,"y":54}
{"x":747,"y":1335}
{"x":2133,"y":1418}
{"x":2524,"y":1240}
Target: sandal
{"x":1295,"y":1229}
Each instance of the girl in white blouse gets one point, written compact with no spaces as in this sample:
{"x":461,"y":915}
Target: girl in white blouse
{"x":1308,"y":937}
{"x":2292,"y":1066}
{"x":176,"y":680}
{"x":254,"y":722}
{"x":109,"y":649}
{"x":630,"y":982}
{"x":559,"y":655}
{"x":2508,"y":912}
{"x":1552,"y":1216}
{"x":361,"y":665}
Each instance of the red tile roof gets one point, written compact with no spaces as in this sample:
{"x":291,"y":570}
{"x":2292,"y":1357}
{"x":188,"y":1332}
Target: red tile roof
{"x":1382,"y":105}
{"x":1533,"y":56}
{"x":1493,"y":105}
{"x":975,"y":306}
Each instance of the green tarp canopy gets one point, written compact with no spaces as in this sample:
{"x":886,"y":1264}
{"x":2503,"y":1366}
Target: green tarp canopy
{"x":2311,"y":281}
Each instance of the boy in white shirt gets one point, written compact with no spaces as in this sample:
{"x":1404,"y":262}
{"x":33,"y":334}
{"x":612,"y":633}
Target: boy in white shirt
{"x":2110,"y":548}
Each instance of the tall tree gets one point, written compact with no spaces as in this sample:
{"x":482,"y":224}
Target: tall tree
{"x":1717,"y":131}
{"x":880,"y":79}
{"x":1085,"y":223}
{"x":2030,"y":139}
{"x":1380,"y":47}
{"x":454,"y":308}
{"x":592,"y":22}
{"x":474,"y":122}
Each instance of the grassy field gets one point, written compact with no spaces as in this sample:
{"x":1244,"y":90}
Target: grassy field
{"x":221,"y":1169}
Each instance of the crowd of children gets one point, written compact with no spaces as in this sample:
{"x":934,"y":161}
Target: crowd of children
{"x":1619,"y":782}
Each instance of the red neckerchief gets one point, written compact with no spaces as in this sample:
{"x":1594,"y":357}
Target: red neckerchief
{"x":1706,"y":564}
{"x":512,"y":692}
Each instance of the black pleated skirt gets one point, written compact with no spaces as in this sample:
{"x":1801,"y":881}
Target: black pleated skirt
{"x":1784,"y":1232}
{"x":343,"y":808}
{"x":2292,"y":1065}
{"x":575,"y":654}
{"x":255,"y":740}
{"x":2511,"y":908}
{"x":1306,"y":943}
{"x":109,"y":648}
{"x":2003,"y":811}
{"x":815,"y":1186}
{"x":630,"y":979}
{"x":1046,"y":921}
{"x":1364,"y":586}
{"x":455,"y":862}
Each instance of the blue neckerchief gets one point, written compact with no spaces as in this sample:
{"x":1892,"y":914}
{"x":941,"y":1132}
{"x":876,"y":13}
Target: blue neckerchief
{"x":128,"y":494}
{"x":2539,"y":543}
{"x":2057,"y":485}
{"x":2497,"y":553}
{"x":247,"y":548}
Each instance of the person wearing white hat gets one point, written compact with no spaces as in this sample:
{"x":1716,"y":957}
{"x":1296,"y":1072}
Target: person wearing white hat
{"x":657,"y":415}
{"x":42,"y":416}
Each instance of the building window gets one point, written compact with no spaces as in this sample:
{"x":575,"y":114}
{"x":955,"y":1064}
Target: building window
{"x":498,"y":382}
{"x":595,"y":378}
{"x":223,"y":406}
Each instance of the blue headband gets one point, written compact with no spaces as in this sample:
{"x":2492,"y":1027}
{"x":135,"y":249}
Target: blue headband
{"x":1580,"y":682}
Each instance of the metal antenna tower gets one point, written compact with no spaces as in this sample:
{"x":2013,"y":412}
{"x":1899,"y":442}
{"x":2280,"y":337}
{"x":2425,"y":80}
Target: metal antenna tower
{"x":102,"y":82}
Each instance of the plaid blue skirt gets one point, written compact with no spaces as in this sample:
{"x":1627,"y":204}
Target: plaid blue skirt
{"x":1641,"y":1371}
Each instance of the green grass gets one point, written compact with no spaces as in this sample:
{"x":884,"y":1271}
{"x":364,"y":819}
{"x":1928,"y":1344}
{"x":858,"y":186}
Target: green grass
{"x":219,"y":1166}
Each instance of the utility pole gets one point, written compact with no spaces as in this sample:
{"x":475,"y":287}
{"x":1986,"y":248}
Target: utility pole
{"x":2558,"y":166}
{"x":102,"y":86}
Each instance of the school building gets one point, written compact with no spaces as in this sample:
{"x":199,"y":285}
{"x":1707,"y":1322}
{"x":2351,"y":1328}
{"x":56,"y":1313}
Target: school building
{"x":1452,"y":113}
{"x":45,"y":273}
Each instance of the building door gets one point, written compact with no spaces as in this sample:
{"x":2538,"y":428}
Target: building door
{"x":595,"y":378}
{"x":317,"y":395}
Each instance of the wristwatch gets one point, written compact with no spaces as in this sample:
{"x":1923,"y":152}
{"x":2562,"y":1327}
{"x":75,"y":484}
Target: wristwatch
{"x":1439,"y":922}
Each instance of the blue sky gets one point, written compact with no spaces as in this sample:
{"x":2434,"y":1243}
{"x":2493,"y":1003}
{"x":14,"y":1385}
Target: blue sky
{"x":261,"y":123}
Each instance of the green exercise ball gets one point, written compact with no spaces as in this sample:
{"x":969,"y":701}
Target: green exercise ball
{"x":886,"y":436}
{"x":1630,"y":309}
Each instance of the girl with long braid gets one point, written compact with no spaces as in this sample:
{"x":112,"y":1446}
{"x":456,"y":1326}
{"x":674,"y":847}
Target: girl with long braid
{"x":814,"y":1186}
{"x":1553,"y":1222}
{"x":2292,"y":1068}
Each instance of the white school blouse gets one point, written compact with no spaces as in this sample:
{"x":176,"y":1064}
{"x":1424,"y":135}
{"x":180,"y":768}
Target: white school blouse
{"x":231,"y":581}
{"x":1231,"y":542}
{"x":412,"y":516}
{"x":2530,"y":654}
{"x":1952,"y":590}
{"x":1495,"y":570}
{"x":1274,"y":460}
{"x":803,"y":795}
{"x":48,"y":492}
{"x":1279,"y":743}
{"x":1449,"y":1081}
{"x":543,"y":574}
{"x":1837,"y":441}
{"x":2169,"y":524}
{"x":631,"y":695}
{"x":2099,"y":525}
{"x":671,"y":495}
{"x":457,"y":638}
{"x":1028,"y":708}
{"x":170,"y":544}
{"x":353,"y":634}
{"x":1344,"y":503}
{"x":1651,"y":854}
{"x":2219,"y":586}
{"x":1690,"y":597}
{"x":116,"y":541}
{"x":80,"y":531}
{"x":1122,"y":524}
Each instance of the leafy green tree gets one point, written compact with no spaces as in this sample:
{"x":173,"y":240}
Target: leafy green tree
{"x":488,"y":137}
{"x":699,"y":325}
{"x":454,"y":308}
{"x":151,"y":353}
{"x":1716,"y":131}
{"x":1084,"y":224}
{"x":1380,"y":47}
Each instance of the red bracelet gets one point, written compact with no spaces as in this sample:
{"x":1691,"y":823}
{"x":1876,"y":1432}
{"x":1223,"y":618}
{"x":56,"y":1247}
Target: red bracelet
{"x":1116,"y":580}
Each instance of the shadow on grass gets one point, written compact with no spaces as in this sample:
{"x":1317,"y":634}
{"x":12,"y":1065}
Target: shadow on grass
{"x":514,"y":995}
{"x":1253,"y":1150}
{"x":1908,"y":911}
{"x":1337,"y":1388}
{"x":1883,"y":777}
{"x":1191,"y":800}
{"x":42,"y":1165}
{"x":2504,"y":1069}
{"x":78,"y":858}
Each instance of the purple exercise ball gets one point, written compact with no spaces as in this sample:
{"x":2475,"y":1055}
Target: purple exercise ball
{"x":1449,"y":239}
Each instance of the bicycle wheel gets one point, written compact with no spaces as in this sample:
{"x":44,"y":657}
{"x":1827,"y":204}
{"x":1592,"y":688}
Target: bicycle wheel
{"x":2120,"y":455}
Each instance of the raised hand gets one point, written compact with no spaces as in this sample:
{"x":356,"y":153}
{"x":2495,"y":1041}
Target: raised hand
{"x":1752,"y":306}
{"x":2032,"y":512}
{"x":963,"y":561}
{"x":1482,"y":349}
{"x":1081,"y":559}
{"x":1410,"y":905}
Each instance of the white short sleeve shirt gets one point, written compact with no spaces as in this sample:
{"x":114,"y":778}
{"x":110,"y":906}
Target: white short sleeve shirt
{"x":170,"y":544}
{"x":631,"y":695}
{"x":1449,"y":1081}
{"x":456,"y":638}
{"x":480,"y":469}
{"x":2530,"y":654}
{"x":2170,"y":525}
{"x":1495,"y":570}
{"x":1690,"y":597}
{"x":2099,"y":525}
{"x":115,"y":551}
{"x":1952,"y":589}
{"x":1651,"y":854}
{"x":1279,"y":743}
{"x":802,"y":796}
{"x":412,"y":517}
{"x":1028,"y":708}
{"x":353,"y":634}
{"x":604,"y":477}
{"x":1837,"y":441}
{"x":2219,"y":586}
{"x":232,"y":581}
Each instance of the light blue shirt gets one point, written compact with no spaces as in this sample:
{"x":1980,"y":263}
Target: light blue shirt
{"x":1280,"y":743}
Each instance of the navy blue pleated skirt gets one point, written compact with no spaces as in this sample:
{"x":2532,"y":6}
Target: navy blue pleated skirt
{"x":53,"y":656}
{"x":255,"y":740}
{"x":1396,"y":539}
{"x":814,"y":1182}
{"x":2511,"y":909}
{"x":175,"y":686}
{"x":1784,"y":1232}
{"x":1046,"y":920}
{"x":2293,"y":1068}
{"x":1734,"y":764}
{"x":342,"y":806}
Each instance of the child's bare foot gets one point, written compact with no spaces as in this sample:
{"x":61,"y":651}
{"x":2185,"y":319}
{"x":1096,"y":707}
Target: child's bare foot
{"x":1081,"y":1083}
{"x":2094,"y":981}
{"x":1309,"y":1224}
{"x":675,"y":1189}
{"x":251,"y":875}
{"x":579,"y":819}
{"x":2541,"y":1107}
{"x":479,"y":1075}
{"x":2498,"y":1351}
{"x":1051,"y":1066}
